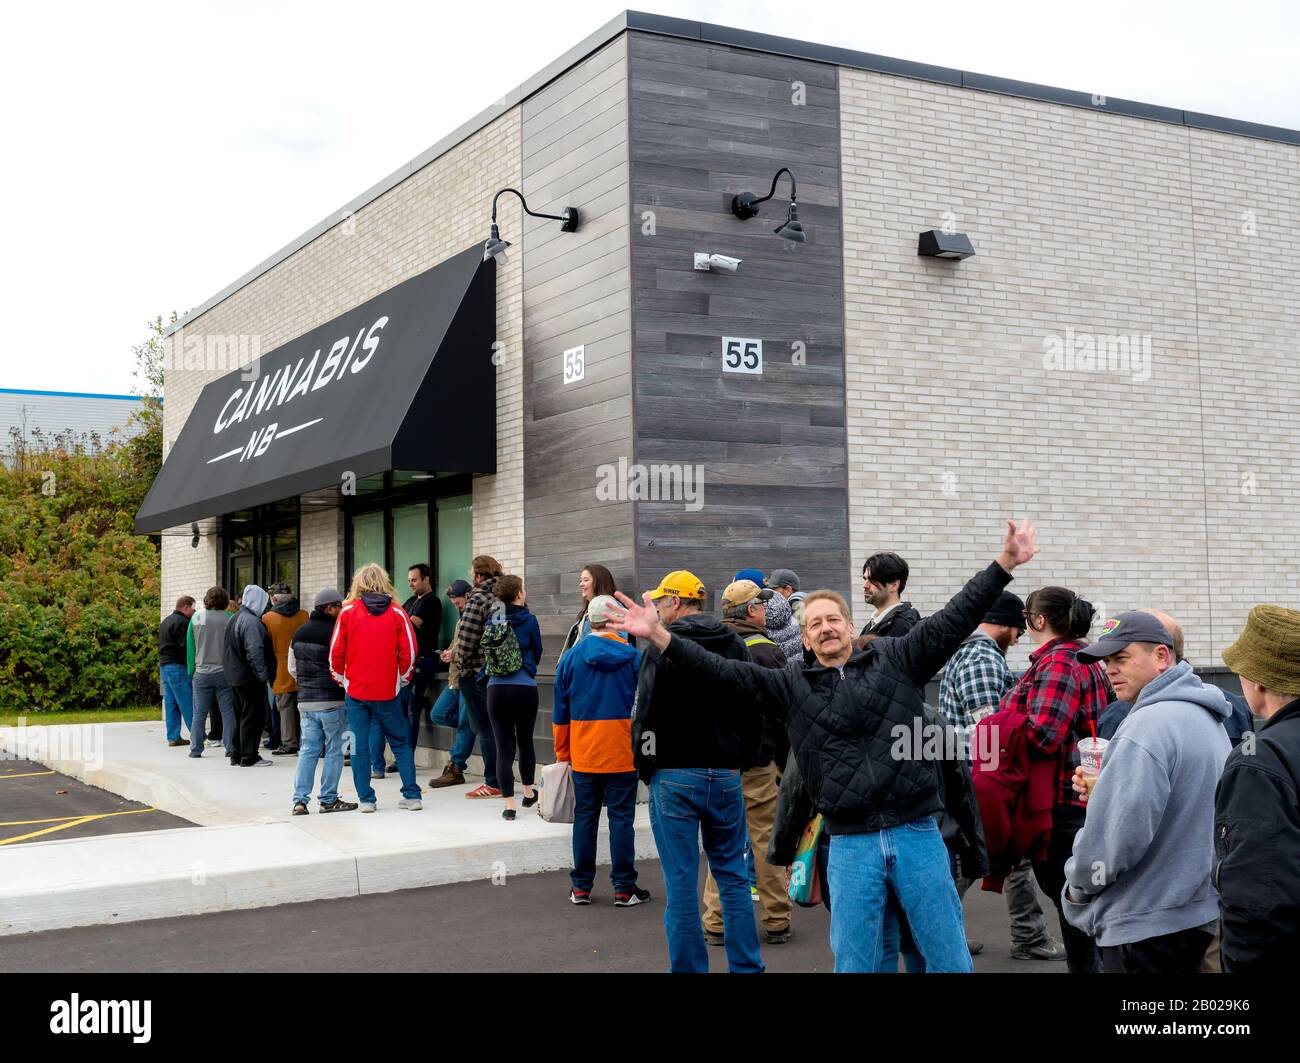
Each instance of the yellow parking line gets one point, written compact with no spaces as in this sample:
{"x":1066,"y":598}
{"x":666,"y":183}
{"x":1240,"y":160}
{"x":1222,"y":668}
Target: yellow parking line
{"x":26,"y":775}
{"x":73,"y":822}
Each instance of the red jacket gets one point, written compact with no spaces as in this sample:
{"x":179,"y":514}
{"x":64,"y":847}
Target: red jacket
{"x":1016,"y":791}
{"x":372,"y":650}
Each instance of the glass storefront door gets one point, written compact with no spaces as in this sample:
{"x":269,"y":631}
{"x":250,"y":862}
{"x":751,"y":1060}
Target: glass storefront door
{"x":261,"y":547}
{"x":455,"y":532}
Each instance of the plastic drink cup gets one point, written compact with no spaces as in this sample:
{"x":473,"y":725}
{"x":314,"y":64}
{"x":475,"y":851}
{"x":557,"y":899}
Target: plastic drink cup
{"x":1091,"y":752}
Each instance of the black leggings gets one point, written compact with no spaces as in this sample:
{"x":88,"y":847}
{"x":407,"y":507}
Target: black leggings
{"x":513,"y":712}
{"x":1081,"y":954}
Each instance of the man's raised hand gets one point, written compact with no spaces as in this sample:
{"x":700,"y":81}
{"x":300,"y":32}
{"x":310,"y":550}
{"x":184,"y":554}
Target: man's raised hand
{"x":1020,"y":545}
{"x":640,"y":621}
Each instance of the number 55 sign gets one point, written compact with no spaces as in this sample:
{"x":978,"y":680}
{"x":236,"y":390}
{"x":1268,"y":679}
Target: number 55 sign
{"x":575,"y":364}
{"x":741,"y":355}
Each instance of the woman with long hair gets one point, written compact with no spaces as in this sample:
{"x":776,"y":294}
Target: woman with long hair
{"x":1060,"y":695}
{"x":512,"y":697}
{"x":371,"y":654}
{"x":594,"y":581}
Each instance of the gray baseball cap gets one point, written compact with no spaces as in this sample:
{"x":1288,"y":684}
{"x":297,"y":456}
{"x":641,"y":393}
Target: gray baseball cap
{"x":1119,"y":631}
{"x":327,"y":596}
{"x":783,"y":577}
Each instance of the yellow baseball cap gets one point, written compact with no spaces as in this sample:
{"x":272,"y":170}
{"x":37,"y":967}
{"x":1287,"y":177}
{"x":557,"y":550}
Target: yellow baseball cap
{"x":680,"y":584}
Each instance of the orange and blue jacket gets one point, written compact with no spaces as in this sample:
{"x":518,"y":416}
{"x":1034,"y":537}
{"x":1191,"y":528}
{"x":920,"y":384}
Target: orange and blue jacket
{"x":591,"y":716}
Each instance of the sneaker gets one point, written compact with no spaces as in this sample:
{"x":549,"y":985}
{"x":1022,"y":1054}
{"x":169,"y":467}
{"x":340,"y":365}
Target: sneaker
{"x":579,"y":896}
{"x":285,"y":751}
{"x":367,"y":806}
{"x":507,"y":813}
{"x":195,"y":755}
{"x":261,"y":762}
{"x":484,"y":791}
{"x":300,"y":808}
{"x":974,"y":947}
{"x":628,"y":898}
{"x":778,"y":937}
{"x":179,"y":742}
{"x":213,"y":742}
{"x":713,"y":938}
{"x":411,"y":803}
{"x":340,"y":805}
{"x":1044,"y":950}
{"x":451,"y":776}
{"x":377,"y":774}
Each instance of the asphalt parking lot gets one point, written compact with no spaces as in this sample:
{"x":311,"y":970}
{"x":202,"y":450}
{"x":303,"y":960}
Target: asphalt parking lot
{"x":523,"y":923}
{"x":37,"y":804}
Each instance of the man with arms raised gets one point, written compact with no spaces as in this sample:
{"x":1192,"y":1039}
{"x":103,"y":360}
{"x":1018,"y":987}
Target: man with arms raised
{"x":842,"y":715}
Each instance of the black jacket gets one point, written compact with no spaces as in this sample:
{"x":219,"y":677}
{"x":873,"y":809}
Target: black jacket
{"x":171,"y":638}
{"x":1257,"y":848}
{"x":959,"y":819}
{"x":675,"y":724}
{"x":844,"y":722}
{"x":310,"y":647}
{"x":250,"y":654}
{"x":897,"y":623}
{"x":775,"y":746}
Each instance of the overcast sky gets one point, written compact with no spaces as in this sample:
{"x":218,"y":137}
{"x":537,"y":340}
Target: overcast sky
{"x":156,"y":152}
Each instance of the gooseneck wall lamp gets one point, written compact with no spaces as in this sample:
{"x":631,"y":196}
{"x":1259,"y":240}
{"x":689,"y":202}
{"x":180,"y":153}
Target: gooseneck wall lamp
{"x":745,"y":206}
{"x":495,"y":247}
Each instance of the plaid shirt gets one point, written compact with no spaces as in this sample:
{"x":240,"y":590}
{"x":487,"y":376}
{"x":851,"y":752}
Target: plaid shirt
{"x":468,"y":654}
{"x":973,"y":683}
{"x":1060,"y":696}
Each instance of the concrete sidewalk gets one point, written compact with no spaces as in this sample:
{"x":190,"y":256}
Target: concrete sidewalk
{"x":250,"y":852}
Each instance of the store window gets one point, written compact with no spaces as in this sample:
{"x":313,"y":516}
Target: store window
{"x":260,"y":546}
{"x":398,"y":523}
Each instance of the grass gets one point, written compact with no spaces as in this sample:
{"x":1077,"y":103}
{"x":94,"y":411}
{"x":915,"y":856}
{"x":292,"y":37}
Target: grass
{"x":35,"y":719}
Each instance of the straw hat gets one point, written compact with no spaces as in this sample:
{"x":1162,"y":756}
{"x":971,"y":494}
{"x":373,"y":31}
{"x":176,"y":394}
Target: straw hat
{"x":1268,"y":650}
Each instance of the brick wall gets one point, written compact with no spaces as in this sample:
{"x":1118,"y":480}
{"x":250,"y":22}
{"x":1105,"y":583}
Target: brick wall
{"x":436,"y":212}
{"x":1084,"y":224}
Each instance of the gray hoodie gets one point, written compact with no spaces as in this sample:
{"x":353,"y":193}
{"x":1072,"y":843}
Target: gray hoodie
{"x":1146,"y":850}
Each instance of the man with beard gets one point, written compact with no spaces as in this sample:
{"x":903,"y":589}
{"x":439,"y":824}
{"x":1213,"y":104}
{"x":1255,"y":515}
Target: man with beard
{"x":972,"y":685}
{"x":884,"y":578}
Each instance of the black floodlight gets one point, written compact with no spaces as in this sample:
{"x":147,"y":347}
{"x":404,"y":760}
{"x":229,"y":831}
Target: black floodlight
{"x":745,"y":206}
{"x":495,"y":247}
{"x":935,"y":243}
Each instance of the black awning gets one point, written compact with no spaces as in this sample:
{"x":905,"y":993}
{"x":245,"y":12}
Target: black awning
{"x":405,"y":380}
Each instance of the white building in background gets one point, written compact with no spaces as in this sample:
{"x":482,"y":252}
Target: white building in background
{"x":53,"y":412}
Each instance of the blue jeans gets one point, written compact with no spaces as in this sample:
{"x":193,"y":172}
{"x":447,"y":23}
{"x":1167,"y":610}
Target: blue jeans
{"x":320,"y":727}
{"x":474,"y":691}
{"x":450,"y":711}
{"x":178,"y":699}
{"x":363,"y":716}
{"x":212,"y":692}
{"x":912,"y":863}
{"x":685,"y":805}
{"x":617,"y":792}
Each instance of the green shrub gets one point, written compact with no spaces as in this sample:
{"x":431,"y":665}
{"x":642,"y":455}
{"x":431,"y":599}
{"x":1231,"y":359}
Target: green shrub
{"x":79,"y":590}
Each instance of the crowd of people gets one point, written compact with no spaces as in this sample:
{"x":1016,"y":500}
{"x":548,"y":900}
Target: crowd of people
{"x":1158,"y":813}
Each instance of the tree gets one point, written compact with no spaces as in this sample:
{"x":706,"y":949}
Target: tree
{"x":145,"y":448}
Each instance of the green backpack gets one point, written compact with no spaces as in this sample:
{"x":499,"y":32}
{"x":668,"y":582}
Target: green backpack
{"x":501,"y":650}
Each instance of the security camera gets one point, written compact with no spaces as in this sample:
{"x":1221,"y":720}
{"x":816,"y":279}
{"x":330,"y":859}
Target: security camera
{"x":722,"y":263}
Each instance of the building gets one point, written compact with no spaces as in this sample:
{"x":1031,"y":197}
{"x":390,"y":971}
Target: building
{"x":1114,"y":361}
{"x":35,"y":415}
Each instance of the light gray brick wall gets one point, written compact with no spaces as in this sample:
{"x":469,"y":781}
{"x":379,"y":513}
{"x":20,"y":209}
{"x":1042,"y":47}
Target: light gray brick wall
{"x":1103,"y":225}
